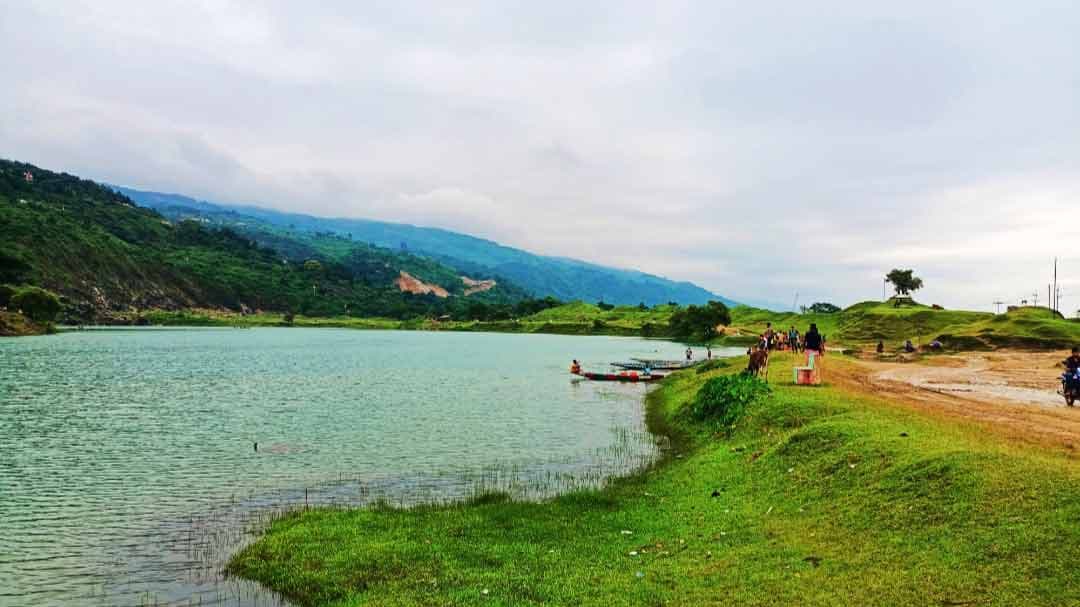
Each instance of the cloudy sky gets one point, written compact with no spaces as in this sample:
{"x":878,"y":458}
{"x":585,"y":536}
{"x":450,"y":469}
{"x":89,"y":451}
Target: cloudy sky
{"x":756,"y":150}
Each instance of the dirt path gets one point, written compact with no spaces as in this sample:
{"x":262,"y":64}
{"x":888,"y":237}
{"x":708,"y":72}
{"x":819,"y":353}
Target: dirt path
{"x":1008,"y":393}
{"x":1004,"y":379}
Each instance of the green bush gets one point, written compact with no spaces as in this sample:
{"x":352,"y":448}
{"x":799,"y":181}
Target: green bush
{"x":36,"y":304}
{"x":699,"y":322}
{"x":725,"y":399}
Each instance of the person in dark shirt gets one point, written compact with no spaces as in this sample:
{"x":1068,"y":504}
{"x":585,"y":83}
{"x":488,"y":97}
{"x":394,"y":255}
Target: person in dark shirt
{"x":812,"y":339}
{"x":1072,"y":363}
{"x":1072,"y":368}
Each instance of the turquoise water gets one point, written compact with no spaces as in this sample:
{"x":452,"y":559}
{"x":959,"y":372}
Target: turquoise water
{"x":133,"y":462}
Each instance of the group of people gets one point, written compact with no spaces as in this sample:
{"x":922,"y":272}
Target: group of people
{"x":690,"y":353}
{"x":792,"y":340}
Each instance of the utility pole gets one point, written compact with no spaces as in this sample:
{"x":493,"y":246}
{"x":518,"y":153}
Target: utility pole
{"x":1055,"y":285}
{"x":998,"y":304}
{"x":1035,"y":298}
{"x":795,"y":306}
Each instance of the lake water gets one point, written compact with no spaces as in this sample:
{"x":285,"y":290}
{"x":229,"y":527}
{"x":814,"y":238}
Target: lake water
{"x":129,"y":470}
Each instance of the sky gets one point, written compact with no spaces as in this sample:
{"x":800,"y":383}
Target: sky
{"x":761,"y":150}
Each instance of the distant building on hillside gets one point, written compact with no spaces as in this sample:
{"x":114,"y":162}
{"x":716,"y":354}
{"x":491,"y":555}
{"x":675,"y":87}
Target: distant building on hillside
{"x":28,"y":176}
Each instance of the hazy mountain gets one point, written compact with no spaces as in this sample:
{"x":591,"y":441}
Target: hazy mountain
{"x":564,"y":278}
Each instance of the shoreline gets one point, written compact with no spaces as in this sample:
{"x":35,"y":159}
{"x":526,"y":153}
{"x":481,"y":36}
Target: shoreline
{"x":812,"y":482}
{"x":358,"y":323}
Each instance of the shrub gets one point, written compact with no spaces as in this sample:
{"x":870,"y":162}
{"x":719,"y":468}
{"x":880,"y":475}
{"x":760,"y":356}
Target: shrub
{"x":699,"y":322}
{"x":725,"y":399}
{"x":36,"y":304}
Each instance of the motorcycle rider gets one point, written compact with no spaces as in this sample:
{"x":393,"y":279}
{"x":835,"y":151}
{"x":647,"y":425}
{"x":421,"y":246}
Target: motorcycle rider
{"x":1072,"y":367}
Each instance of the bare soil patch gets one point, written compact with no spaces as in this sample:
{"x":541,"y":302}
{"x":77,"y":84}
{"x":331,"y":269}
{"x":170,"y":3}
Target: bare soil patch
{"x":1008,"y":392}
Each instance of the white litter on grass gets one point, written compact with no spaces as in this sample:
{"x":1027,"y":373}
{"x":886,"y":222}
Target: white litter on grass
{"x":627,"y":532}
{"x":633,"y":553}
{"x":484,"y":591}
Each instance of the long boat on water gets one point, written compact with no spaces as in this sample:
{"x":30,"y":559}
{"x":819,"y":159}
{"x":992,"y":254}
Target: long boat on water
{"x":638,"y":364}
{"x":623,"y":376}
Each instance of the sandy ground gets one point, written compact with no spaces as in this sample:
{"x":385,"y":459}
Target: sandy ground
{"x":1009,"y":393}
{"x":1005,"y":378}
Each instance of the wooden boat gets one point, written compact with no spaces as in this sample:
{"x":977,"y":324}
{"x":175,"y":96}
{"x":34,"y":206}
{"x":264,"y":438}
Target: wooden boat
{"x":625,"y":376}
{"x":668,"y":365}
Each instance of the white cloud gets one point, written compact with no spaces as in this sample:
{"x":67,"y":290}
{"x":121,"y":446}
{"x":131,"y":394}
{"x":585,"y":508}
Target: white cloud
{"x":757,"y":150}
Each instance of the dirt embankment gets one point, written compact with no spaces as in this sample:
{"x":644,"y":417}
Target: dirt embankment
{"x":1006,"y":392}
{"x":408,"y":283}
{"x":14,"y":325}
{"x":477,"y":286}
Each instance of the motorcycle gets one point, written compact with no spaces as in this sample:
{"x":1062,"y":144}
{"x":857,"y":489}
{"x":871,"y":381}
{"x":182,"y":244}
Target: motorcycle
{"x":1070,"y":387}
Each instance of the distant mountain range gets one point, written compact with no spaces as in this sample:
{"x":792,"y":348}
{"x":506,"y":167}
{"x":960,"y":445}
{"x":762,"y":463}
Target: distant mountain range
{"x":563,"y":278}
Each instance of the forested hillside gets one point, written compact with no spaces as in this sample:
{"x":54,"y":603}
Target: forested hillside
{"x":107,"y":257}
{"x":562,"y":278}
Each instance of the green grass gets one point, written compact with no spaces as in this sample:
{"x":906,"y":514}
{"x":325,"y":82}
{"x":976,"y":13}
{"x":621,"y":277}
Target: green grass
{"x":823,"y":497}
{"x":1024,"y":327}
{"x":865,"y":323}
{"x":858,"y":326}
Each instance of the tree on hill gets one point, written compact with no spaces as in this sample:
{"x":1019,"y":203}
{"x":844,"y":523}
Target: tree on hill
{"x":699,"y":322}
{"x":904,"y":281}
{"x":822,"y":307}
{"x":36,"y":304}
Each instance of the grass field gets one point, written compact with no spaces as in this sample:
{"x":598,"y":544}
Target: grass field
{"x":859,"y":326}
{"x":821,"y":496}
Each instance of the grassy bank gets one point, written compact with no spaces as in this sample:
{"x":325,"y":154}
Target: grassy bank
{"x":819,"y":497}
{"x":859,"y":326}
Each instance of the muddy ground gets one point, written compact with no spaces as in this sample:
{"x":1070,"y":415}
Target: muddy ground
{"x":1007,"y":392}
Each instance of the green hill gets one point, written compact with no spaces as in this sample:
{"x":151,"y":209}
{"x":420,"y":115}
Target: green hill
{"x":560,"y":277}
{"x":868,"y":322}
{"x":860,"y":325}
{"x":109,"y":258}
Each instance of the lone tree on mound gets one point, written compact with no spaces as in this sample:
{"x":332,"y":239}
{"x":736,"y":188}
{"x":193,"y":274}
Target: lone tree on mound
{"x":824,"y":307}
{"x":904,"y":281}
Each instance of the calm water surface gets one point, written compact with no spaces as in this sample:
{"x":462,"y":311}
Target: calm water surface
{"x":128,"y":466}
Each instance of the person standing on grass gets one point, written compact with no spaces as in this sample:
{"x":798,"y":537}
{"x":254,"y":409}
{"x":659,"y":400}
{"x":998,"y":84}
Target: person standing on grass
{"x":769,"y":336}
{"x":812,"y":341}
{"x":793,"y":338}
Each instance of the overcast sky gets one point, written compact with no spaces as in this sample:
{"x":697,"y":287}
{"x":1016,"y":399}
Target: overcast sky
{"x":757,"y":149}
